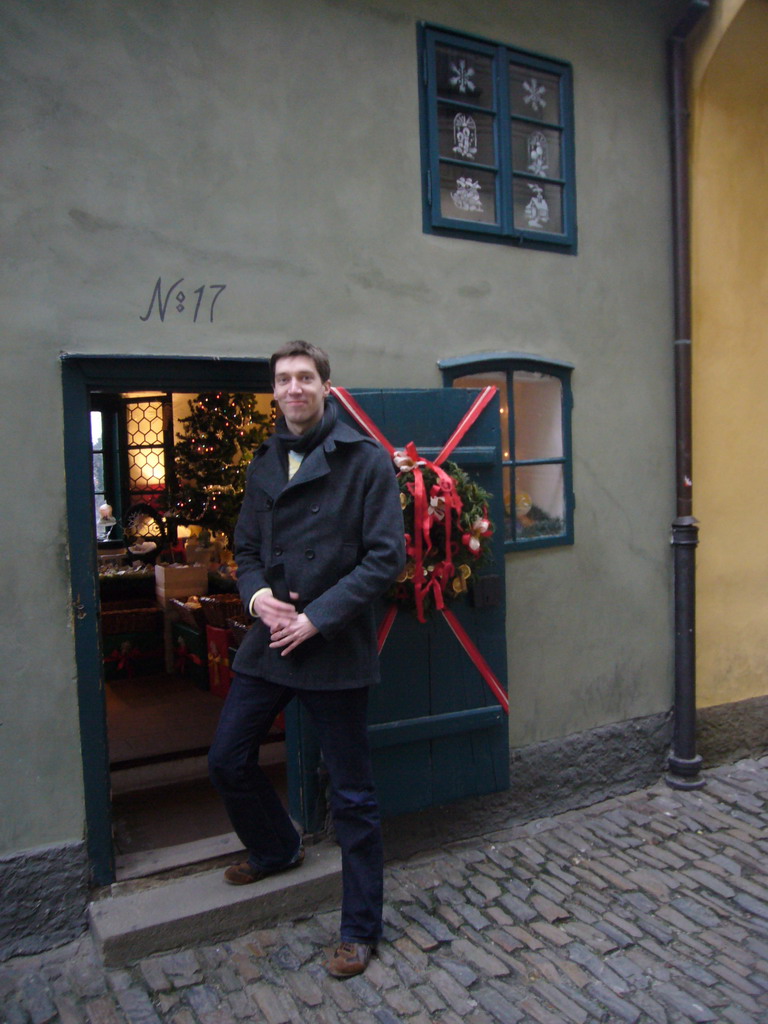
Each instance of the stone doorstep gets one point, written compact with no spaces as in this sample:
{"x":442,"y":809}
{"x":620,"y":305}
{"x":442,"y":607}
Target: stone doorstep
{"x":133,"y":866}
{"x":202,"y":908}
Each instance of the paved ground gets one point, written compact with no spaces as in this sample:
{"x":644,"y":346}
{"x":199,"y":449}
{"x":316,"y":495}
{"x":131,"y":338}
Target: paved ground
{"x":651,"y":907}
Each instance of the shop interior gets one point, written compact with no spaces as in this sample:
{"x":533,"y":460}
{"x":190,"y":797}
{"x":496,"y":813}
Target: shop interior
{"x":168,"y":475}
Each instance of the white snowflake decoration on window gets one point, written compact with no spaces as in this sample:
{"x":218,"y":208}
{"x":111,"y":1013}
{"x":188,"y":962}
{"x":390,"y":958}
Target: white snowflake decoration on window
{"x":465,"y":136}
{"x":462,"y":76}
{"x":537,"y":210}
{"x":534,"y":94}
{"x":467,"y":195}
{"x":538,"y":156}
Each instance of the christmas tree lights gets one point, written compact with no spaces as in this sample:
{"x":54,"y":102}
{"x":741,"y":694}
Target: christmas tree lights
{"x":212,"y":454}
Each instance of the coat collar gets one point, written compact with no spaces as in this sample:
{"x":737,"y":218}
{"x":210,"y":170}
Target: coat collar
{"x":272,"y":474}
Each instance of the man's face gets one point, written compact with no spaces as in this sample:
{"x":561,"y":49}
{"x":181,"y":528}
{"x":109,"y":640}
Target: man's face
{"x":299,"y":392}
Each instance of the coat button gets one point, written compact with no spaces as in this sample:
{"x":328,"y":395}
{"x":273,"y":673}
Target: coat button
{"x":314,"y":507}
{"x":269,"y":503}
{"x":309,"y":553}
{"x":277,"y":551}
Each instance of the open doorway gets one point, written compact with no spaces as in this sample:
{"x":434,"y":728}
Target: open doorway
{"x":168,"y":473}
{"x":156,"y":455}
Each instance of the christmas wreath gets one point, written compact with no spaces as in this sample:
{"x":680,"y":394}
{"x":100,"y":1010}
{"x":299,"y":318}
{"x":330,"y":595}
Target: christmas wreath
{"x":447,"y":531}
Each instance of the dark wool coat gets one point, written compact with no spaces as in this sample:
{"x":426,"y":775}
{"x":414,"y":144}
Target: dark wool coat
{"x":337,"y":527}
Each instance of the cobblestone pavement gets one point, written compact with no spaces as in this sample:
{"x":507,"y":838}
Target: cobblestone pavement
{"x":650,"y":907}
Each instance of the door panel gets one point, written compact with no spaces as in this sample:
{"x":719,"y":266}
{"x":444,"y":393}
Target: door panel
{"x":438,"y":732}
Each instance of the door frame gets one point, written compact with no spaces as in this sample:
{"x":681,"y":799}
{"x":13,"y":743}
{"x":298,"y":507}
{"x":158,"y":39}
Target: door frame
{"x":82,"y":374}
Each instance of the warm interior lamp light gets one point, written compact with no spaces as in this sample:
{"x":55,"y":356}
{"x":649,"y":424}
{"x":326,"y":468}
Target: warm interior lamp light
{"x":151,"y":473}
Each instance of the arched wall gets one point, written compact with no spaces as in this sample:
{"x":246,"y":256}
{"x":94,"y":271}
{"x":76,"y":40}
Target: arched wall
{"x":730,"y":352}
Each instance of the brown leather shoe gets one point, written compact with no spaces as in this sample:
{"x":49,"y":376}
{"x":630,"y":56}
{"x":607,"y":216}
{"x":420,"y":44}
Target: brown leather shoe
{"x":350,"y":958}
{"x":245,"y":874}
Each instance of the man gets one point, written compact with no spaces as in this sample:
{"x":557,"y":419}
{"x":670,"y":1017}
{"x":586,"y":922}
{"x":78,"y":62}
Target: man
{"x":319,"y":538}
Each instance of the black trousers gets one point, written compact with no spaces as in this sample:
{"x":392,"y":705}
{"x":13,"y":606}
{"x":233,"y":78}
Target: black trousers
{"x":257,"y":813}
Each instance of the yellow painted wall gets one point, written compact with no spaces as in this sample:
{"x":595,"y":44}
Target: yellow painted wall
{"x":730,"y":351}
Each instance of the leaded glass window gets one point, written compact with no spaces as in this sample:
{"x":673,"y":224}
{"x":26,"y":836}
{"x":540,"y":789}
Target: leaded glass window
{"x":147,"y":428}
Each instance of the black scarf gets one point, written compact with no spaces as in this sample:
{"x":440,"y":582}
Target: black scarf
{"x":305,"y":443}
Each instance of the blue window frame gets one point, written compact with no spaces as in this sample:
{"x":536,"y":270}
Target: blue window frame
{"x":537,"y":466}
{"x":497,"y":142}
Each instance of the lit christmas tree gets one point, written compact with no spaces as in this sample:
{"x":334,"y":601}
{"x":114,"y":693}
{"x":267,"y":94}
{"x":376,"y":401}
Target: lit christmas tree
{"x":219,"y":438}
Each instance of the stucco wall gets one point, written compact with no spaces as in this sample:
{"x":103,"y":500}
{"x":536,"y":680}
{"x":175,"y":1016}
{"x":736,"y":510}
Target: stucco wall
{"x":730,"y":339}
{"x":272,"y":146}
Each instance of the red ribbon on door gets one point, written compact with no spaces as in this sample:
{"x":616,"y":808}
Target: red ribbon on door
{"x":441,"y":500}
{"x":418,"y":544}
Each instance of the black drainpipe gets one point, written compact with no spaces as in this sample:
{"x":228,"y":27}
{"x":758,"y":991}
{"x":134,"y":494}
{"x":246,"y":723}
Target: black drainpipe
{"x":684,"y":763}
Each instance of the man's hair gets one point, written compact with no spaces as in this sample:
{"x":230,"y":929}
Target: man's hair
{"x":302,"y":348}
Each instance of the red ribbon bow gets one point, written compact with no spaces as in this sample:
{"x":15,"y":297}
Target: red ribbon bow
{"x":428,"y":579}
{"x":125,"y":656}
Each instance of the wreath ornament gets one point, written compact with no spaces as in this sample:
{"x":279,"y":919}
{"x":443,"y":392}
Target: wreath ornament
{"x":447,"y":531}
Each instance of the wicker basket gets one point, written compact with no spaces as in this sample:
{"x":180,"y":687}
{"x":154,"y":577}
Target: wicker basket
{"x":238,"y":627}
{"x":137,"y":619}
{"x":194,"y":617}
{"x":219,"y":608}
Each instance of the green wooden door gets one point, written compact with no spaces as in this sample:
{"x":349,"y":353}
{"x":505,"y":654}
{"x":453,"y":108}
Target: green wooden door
{"x":439,"y":732}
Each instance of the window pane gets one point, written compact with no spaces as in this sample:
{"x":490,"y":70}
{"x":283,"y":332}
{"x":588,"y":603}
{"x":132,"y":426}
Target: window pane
{"x":539,"y":502}
{"x":464,"y":75}
{"x":97,"y":431}
{"x":466,"y":194}
{"x":466,"y":136}
{"x":98,"y":473}
{"x":146,"y":469}
{"x":538,"y":407}
{"x":534,"y":94}
{"x":144,"y":422}
{"x":536,"y":150}
{"x":538,"y":207}
{"x":496,"y":379}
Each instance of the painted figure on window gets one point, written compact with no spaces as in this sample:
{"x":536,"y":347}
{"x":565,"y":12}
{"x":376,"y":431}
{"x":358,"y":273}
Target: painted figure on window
{"x":538,"y":157}
{"x":537,"y":210}
{"x":467,"y":195}
{"x":465,"y":136}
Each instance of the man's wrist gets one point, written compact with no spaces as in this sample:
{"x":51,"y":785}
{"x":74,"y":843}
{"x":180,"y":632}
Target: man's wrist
{"x":252,"y":603}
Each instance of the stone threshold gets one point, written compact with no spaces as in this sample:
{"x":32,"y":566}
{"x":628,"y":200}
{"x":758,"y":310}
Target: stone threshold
{"x":133,"y":866}
{"x":198,"y":908}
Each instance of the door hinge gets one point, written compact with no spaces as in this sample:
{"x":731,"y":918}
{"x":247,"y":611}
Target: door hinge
{"x":78,"y":608}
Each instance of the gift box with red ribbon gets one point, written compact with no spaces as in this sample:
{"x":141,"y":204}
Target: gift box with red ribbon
{"x":218,"y":642}
{"x":190,"y":653}
{"x":132,"y":654}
